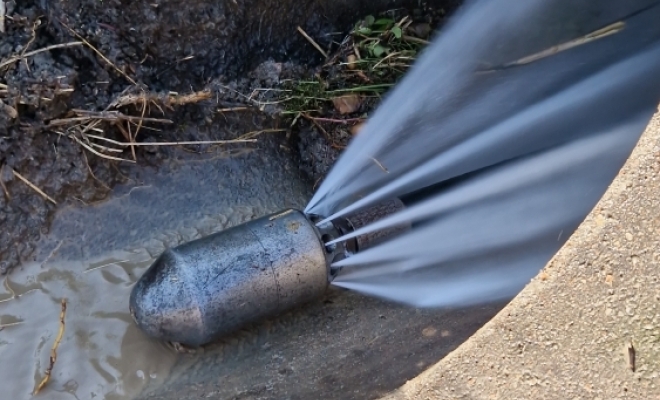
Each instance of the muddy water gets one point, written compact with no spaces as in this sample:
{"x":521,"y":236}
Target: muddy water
{"x":344,"y":346}
{"x":94,"y":254}
{"x":101,"y":354}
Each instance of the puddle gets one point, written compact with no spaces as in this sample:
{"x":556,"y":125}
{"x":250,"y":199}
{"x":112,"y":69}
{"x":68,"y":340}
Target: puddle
{"x":93,"y":255}
{"x":345,"y":345}
{"x":102,"y":354}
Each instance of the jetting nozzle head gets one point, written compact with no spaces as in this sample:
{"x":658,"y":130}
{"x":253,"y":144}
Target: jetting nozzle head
{"x":199,"y":291}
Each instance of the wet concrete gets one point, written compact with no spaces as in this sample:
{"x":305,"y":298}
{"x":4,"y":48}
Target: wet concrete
{"x":345,"y":347}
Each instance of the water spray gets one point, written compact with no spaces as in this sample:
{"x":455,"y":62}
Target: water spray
{"x":202,"y":290}
{"x":538,"y":129}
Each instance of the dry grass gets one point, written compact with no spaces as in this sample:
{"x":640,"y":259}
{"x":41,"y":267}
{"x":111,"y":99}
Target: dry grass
{"x":94,"y":130}
{"x":87,"y":129}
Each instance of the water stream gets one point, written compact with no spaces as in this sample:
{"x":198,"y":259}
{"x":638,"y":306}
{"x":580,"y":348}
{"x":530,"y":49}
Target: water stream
{"x":531,"y":119}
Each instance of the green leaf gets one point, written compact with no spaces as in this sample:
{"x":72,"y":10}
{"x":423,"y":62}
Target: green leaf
{"x":383,"y":22}
{"x":378,"y":50}
{"x":369,"y":20}
{"x":364,"y":31}
{"x":396,"y":31}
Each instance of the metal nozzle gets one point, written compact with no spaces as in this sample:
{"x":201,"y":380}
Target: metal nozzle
{"x":201,"y":290}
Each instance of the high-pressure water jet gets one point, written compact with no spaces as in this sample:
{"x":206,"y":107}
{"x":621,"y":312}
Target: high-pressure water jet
{"x":533,"y":113}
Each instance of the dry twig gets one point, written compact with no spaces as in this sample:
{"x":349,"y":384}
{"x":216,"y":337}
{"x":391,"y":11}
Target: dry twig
{"x":631,"y":357}
{"x":181,"y":143}
{"x":91,"y":172}
{"x":36,"y":24}
{"x":415,"y":39}
{"x":95,"y":50}
{"x":31,"y":53}
{"x":3,"y":326}
{"x":313,"y":42}
{"x":111,"y":116}
{"x":81,"y":129}
{"x":53,"y":350}
{"x":9,"y":289}
{"x":380,"y":165}
{"x":253,"y":134}
{"x":168,"y":100}
{"x":233,"y":109}
{"x":2,"y":183}
{"x":590,"y":37}
{"x":325,"y":133}
{"x":3,"y":10}
{"x":345,"y":121}
{"x":91,"y":150}
{"x":34,"y":187}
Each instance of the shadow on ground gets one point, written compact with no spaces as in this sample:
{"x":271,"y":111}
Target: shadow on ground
{"x":344,"y":347}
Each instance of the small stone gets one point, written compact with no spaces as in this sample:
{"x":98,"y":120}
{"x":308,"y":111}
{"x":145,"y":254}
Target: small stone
{"x":429,"y":331}
{"x":347,"y":104}
{"x":609,"y":279}
{"x":351,"y":61}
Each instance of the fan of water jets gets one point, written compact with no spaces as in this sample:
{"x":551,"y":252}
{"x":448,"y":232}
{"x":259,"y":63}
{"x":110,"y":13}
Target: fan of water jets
{"x":530,"y":109}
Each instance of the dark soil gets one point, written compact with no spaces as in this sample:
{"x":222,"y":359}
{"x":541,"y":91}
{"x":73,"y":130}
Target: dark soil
{"x":221,"y":49}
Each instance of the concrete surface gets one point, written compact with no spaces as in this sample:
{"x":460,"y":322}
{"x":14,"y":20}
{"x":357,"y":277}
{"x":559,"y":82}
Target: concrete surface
{"x":567,"y":334}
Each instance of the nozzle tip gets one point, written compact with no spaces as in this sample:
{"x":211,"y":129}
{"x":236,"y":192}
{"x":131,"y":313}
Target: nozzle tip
{"x":163,"y":306}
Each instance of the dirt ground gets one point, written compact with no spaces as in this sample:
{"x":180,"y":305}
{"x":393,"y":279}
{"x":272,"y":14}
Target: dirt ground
{"x":82,"y":80}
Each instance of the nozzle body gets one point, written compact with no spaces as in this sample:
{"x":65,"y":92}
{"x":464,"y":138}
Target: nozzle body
{"x":207,"y":288}
{"x":199,"y":291}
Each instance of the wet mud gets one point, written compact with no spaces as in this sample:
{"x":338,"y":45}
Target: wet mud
{"x":106,"y":220}
{"x":60,"y":57}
